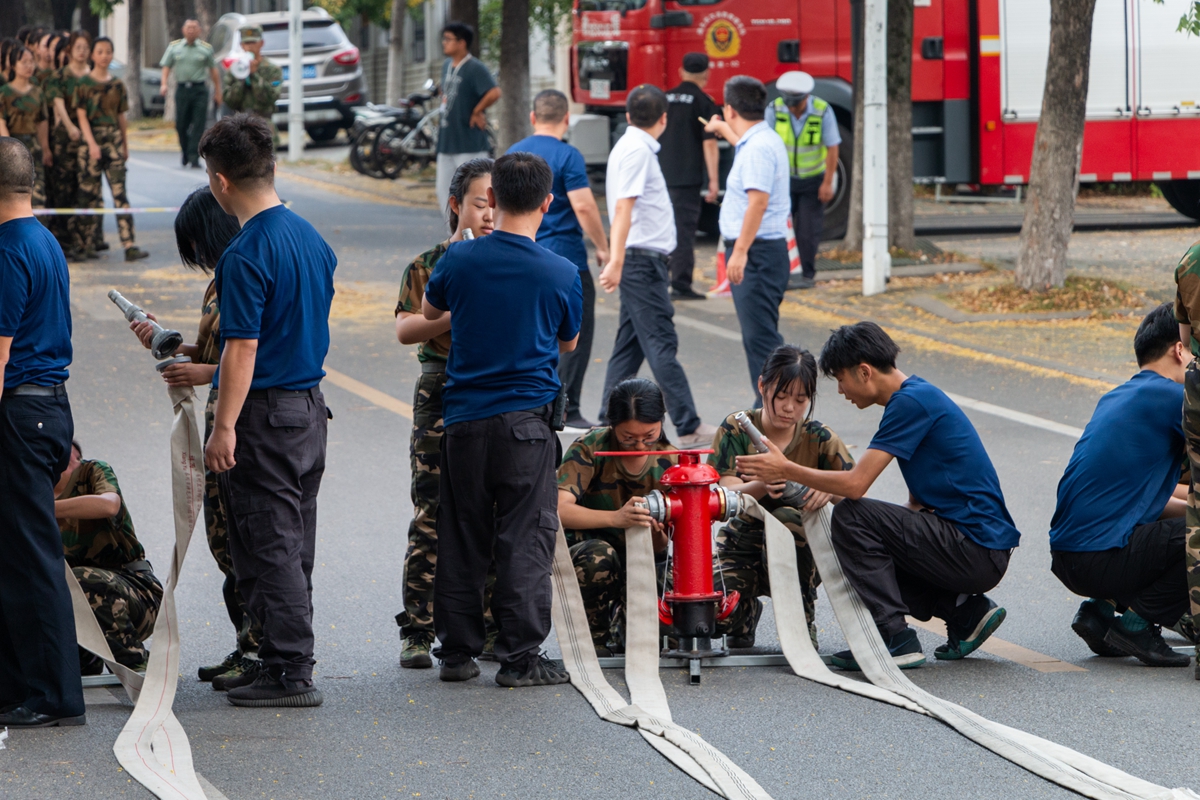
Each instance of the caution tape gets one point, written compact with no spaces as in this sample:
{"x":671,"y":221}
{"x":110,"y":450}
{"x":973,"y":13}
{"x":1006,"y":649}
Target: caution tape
{"x":89,"y":212}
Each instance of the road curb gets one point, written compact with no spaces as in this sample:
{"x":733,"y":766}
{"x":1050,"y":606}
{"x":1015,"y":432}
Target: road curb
{"x":931,"y":304}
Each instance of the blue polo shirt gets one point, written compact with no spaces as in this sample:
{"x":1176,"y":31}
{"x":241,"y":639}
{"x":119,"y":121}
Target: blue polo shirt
{"x":944,"y":463}
{"x":760,"y":161}
{"x":35,"y":304}
{"x":560,"y":231}
{"x":510,"y":302}
{"x":275,"y":284}
{"x":1124,"y":467}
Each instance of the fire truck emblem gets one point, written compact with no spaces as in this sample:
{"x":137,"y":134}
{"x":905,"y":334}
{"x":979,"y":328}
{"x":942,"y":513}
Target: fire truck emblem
{"x":722,"y":40}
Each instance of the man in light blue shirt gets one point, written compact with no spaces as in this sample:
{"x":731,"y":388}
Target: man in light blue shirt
{"x":753,"y":219}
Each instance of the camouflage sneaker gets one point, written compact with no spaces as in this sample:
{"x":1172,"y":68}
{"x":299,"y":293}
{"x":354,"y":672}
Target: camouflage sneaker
{"x":414,"y":650}
{"x":206,"y":674}
{"x":243,"y":674}
{"x":133,"y":253}
{"x":489,"y":647}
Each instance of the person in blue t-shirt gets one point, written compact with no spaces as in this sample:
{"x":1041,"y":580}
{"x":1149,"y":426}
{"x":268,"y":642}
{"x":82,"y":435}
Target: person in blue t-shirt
{"x":935,"y":556}
{"x":267,"y":446}
{"x":39,"y":661}
{"x":573,"y":212}
{"x":1118,"y":532}
{"x":515,"y":307}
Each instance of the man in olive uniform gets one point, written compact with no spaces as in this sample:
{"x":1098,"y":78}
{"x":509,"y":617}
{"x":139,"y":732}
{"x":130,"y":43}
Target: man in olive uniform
{"x":192,"y":60}
{"x":809,"y":131}
{"x":107,"y":559}
{"x":258,"y":91}
{"x":1187,"y":309}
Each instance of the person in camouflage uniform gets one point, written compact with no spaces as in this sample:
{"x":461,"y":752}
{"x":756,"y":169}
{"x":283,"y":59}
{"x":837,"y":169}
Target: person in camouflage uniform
{"x":1187,"y":309}
{"x":107,"y":559}
{"x":467,"y":213}
{"x":66,"y":141}
{"x":258,"y":91}
{"x":23,"y":117}
{"x":599,"y":497}
{"x":102,"y":104}
{"x":788,"y":387}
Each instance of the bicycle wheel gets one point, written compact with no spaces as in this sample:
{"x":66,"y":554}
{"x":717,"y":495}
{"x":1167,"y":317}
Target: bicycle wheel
{"x":390,"y":158}
{"x":362,"y":154}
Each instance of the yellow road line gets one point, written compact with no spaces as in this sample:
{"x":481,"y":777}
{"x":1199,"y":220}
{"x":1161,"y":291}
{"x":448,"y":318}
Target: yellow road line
{"x":369,"y":393}
{"x":1007,"y":650}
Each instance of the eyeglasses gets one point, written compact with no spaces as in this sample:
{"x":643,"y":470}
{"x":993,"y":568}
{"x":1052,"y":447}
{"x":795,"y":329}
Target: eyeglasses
{"x":630,"y":442}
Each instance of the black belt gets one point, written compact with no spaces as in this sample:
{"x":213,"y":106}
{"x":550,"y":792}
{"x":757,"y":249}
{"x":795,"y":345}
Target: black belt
{"x":433,"y":366}
{"x":645,"y":252}
{"x":189,"y":84}
{"x":265,"y":394}
{"x":58,"y":390}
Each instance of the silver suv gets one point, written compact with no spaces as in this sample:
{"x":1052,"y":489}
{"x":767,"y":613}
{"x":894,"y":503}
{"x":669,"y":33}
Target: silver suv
{"x":333,"y":75}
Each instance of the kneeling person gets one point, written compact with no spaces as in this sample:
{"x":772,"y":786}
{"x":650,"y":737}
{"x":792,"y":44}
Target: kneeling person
{"x":107,"y":559}
{"x":599,"y":497}
{"x":936,"y":556}
{"x":1118,"y":531}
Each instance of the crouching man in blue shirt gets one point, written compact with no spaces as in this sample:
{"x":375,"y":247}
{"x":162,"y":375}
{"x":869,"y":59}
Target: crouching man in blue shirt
{"x":515,"y":307}
{"x":275,"y":284}
{"x":936,"y":556}
{"x":1118,"y":531}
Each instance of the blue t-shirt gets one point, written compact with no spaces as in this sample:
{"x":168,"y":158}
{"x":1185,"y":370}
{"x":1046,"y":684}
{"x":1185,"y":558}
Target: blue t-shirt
{"x":35,"y":304}
{"x":944,"y":463}
{"x":510,"y":302}
{"x":560,"y":231}
{"x":1124,"y":467}
{"x":275,"y":284}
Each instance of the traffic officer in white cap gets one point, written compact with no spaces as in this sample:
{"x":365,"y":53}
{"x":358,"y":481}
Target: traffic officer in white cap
{"x":810,"y":133}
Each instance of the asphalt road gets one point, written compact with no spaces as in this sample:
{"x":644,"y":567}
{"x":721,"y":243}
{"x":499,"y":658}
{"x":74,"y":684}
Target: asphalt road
{"x":392,"y":733}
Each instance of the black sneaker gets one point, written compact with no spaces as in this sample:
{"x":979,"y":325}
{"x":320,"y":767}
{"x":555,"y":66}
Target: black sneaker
{"x":801,"y":282}
{"x":687,"y":294}
{"x":244,"y":673}
{"x":1146,"y":645}
{"x":1091,"y":625}
{"x":581,"y":424}
{"x":100,"y":245}
{"x":453,"y":671}
{"x":539,"y":671}
{"x":980,"y":619}
{"x":271,"y":692}
{"x":740,"y":642}
{"x":904,"y":647}
{"x":206,"y":674}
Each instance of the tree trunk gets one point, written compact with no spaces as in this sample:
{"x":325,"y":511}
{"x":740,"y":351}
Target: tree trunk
{"x":899,"y":124}
{"x":133,"y":70}
{"x":854,"y":222}
{"x":206,"y":14}
{"x":468,"y":11}
{"x":64,"y":11}
{"x":176,"y":16}
{"x":395,"y":64}
{"x":1057,"y":146}
{"x":514,"y":73}
{"x":87,"y":20}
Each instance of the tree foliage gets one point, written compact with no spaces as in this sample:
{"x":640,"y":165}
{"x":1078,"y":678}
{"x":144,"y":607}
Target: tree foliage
{"x":1189,"y":23}
{"x":103,"y":8}
{"x":377,"y":12}
{"x":544,"y":15}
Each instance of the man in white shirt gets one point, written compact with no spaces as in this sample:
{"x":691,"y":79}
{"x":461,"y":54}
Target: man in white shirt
{"x":642,"y":235}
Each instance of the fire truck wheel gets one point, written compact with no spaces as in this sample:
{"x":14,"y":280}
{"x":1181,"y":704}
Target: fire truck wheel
{"x":1184,"y":196}
{"x":838,"y":210}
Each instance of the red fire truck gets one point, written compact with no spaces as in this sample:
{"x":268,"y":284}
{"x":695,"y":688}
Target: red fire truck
{"x":978,"y":72}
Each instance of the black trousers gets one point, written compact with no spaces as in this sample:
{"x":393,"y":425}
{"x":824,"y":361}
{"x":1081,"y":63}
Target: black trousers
{"x":902,"y":561}
{"x":39,"y":660}
{"x":757,"y":299}
{"x":646,"y":332}
{"x":1148,"y":574}
{"x":808,"y":220}
{"x":270,"y":498}
{"x":499,"y":502}
{"x":573,"y":366}
{"x":685,"y":200}
{"x":191,"y":112}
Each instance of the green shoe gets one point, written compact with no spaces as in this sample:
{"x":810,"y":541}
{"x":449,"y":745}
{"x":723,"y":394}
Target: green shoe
{"x":133,"y":253}
{"x":414,"y":650}
{"x":961,"y":642}
{"x":243,"y":673}
{"x":1186,"y":627}
{"x":206,"y":674}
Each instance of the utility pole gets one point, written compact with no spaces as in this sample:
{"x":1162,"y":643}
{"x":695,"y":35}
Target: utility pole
{"x":877,"y":262}
{"x":295,"y":81}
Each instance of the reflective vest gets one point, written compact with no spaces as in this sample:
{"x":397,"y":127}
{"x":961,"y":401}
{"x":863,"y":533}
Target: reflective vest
{"x":806,"y":152}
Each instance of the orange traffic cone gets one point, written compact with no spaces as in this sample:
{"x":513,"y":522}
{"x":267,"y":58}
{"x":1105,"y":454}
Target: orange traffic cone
{"x":722,"y":287}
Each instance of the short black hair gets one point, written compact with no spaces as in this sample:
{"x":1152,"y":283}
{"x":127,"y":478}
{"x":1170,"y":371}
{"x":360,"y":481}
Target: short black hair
{"x":550,"y":106}
{"x":16,"y":168}
{"x":460,"y":30}
{"x":241,"y":148}
{"x":747,"y":96}
{"x":646,"y":104}
{"x":520,"y":182}
{"x":203,"y":230}
{"x":103,"y":40}
{"x":1158,"y":333}
{"x":860,"y":343}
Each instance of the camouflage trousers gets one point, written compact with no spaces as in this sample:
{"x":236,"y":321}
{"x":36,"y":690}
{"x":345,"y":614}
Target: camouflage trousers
{"x":742,"y":555}
{"x":1191,"y":432}
{"x":420,"y":560}
{"x":249,"y":632}
{"x":63,"y":188}
{"x":111,"y":166}
{"x":39,"y":169}
{"x":126,"y":605}
{"x":600,"y":571}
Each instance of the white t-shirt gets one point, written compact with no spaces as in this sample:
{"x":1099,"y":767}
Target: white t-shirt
{"x":633,"y":171}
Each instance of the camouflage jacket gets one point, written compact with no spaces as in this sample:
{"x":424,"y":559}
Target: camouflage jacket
{"x":105,"y":543}
{"x":607,"y":486}
{"x":208,"y":338}
{"x":22,"y":112}
{"x":257,"y":92}
{"x":63,"y":84}
{"x":813,"y":445}
{"x":1187,"y":293}
{"x":104,"y":103}
{"x":412,"y":289}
